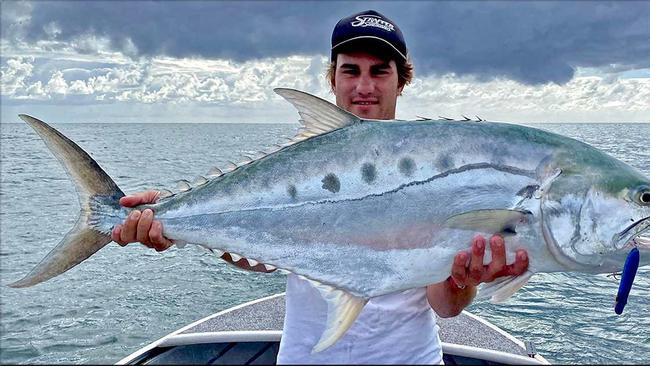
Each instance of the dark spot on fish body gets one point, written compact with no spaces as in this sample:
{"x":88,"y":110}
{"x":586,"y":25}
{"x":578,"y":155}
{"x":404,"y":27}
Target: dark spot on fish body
{"x":406,"y":166}
{"x":444,"y":162}
{"x":292,"y":191}
{"x":368,"y":173}
{"x":331,"y":183}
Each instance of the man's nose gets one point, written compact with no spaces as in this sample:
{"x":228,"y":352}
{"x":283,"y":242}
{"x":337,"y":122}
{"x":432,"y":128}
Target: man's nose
{"x":365,"y":85}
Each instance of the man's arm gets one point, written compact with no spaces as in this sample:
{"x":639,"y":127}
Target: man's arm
{"x":450,"y":297}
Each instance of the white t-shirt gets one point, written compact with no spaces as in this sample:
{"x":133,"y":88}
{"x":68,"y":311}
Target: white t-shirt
{"x":398,"y":328}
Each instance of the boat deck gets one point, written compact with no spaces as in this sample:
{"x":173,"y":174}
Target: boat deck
{"x":269,"y":315}
{"x":255,"y":329}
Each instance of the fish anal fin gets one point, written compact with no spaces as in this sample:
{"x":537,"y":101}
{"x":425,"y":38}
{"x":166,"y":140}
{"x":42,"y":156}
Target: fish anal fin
{"x":490,"y":221}
{"x":343,"y":309}
{"x":501,"y":290}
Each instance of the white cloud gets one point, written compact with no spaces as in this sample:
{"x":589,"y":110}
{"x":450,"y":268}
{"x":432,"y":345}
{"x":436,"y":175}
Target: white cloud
{"x":15,"y":74}
{"x":57,"y":84}
{"x":98,"y":75}
{"x":35,"y":91}
{"x":596,"y":98}
{"x":79,"y":87}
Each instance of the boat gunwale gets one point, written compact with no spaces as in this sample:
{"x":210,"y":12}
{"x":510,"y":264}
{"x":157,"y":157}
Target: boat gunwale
{"x":179,"y":338}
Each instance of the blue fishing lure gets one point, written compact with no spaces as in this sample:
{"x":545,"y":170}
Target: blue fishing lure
{"x":629,"y":271}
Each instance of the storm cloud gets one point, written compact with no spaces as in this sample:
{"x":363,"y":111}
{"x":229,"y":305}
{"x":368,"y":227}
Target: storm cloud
{"x":531,"y":42}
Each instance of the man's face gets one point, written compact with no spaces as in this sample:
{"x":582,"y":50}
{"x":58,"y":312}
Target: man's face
{"x":366,"y":85}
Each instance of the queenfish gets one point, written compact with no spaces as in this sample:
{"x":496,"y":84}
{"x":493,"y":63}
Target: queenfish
{"x":363,"y":208}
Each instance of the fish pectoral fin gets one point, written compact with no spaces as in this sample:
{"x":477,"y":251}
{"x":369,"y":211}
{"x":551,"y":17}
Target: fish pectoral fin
{"x":343,"y":309}
{"x":490,"y":221}
{"x":501,"y":289}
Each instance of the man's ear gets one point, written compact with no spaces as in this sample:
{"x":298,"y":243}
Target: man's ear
{"x":400,"y":90}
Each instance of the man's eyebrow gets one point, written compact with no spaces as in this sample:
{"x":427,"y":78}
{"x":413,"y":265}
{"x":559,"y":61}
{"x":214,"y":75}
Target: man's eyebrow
{"x":349,"y":66}
{"x":381,"y":66}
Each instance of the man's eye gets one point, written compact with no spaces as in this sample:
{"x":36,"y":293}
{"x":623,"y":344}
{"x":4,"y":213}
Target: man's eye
{"x":350,"y":72}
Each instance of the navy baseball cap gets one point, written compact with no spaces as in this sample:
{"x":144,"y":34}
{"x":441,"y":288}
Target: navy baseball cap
{"x":369,"y":27}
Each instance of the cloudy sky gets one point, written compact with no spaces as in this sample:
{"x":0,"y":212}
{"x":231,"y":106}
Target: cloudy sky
{"x":219,"y":61}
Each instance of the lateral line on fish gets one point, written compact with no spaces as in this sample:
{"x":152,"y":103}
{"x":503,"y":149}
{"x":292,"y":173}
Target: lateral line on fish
{"x":464,"y":168}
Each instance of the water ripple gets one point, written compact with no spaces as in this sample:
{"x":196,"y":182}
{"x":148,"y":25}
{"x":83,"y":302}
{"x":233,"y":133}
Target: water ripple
{"x":123,"y":298}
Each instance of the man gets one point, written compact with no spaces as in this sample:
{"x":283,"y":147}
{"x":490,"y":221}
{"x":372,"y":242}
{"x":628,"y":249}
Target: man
{"x":368,"y":71}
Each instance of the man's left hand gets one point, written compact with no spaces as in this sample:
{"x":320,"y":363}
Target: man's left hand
{"x":468,"y":268}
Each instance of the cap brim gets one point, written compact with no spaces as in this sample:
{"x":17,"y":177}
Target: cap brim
{"x":366,"y":44}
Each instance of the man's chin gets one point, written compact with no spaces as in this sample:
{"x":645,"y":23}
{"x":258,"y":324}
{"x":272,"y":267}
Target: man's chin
{"x":365,"y":111}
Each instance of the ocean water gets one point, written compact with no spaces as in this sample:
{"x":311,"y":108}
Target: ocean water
{"x":124,"y":298}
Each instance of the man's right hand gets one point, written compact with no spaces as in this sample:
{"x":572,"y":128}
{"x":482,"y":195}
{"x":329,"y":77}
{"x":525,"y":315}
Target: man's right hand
{"x":140,"y":226}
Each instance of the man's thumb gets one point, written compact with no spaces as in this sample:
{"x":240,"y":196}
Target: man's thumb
{"x":139,"y":198}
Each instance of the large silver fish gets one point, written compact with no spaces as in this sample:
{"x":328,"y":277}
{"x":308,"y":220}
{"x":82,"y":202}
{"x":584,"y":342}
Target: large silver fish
{"x":363,"y":208}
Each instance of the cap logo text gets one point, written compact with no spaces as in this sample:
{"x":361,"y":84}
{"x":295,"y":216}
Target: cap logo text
{"x":372,"y":21}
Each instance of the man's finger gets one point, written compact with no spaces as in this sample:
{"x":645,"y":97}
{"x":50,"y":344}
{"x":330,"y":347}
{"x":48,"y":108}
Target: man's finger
{"x":115,"y":235}
{"x":127,"y":235}
{"x":459,"y":268}
{"x":139,"y":198}
{"x":158,"y":241}
{"x":498,"y":263}
{"x":144,"y":225}
{"x":520,"y":265}
{"x":476,"y":267}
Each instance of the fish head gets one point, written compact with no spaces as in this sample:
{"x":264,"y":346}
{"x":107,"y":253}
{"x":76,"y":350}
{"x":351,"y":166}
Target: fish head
{"x":595,"y":212}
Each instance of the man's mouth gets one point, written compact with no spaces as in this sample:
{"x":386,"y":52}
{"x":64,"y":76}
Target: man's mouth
{"x":365,"y":102}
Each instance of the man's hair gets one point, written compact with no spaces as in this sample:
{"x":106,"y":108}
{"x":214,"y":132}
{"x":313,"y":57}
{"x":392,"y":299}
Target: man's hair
{"x":404,"y":71}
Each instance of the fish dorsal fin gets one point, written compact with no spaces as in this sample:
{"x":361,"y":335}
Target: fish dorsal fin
{"x":230,"y":167}
{"x":164,"y":193}
{"x":183,"y":185}
{"x":214,"y":172}
{"x":489,"y":221}
{"x":342,"y":310}
{"x":502,"y":289}
{"x":200,"y":180}
{"x":317,"y":115}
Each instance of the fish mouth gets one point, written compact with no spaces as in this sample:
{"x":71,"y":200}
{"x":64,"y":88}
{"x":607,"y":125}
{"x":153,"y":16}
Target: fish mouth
{"x":636,"y":234}
{"x":642,"y":242}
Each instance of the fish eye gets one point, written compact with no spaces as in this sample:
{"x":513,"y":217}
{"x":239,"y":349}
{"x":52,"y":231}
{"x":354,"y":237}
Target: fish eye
{"x":644,"y":197}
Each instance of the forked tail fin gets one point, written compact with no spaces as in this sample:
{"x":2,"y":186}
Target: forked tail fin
{"x":98,"y":197}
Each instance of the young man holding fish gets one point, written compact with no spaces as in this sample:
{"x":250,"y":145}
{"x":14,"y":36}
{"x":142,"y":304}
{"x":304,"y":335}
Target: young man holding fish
{"x":368,"y":71}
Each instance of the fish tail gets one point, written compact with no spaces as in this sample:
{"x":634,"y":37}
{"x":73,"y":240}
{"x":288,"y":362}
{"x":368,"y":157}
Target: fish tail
{"x":99,"y":200}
